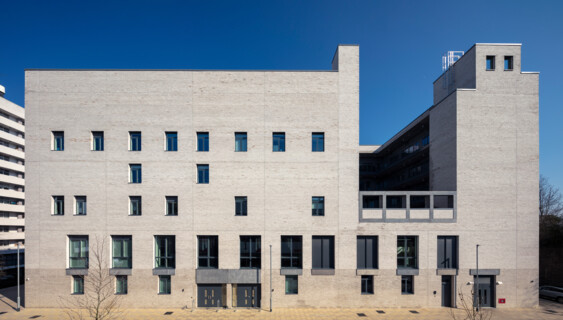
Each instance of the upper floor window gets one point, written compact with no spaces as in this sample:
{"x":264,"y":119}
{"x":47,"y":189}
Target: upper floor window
{"x":172,"y":141}
{"x":135,"y":206}
{"x":203,"y":141}
{"x":240,"y":141}
{"x":447,"y":252}
{"x":135,"y":173}
{"x":78,"y":251}
{"x":80,"y":209}
{"x":97,"y":140}
{"x":208,"y":252}
{"x":58,"y":140}
{"x":165,"y":251}
{"x":508,"y":63}
{"x":240,"y":206}
{"x":367,"y":252}
{"x":278,"y":142}
{"x":250,"y":252}
{"x":121,"y":252}
{"x":490,"y":62}
{"x":318,"y":206}
{"x":171,"y":205}
{"x":407,"y":252}
{"x":318,"y":142}
{"x":203,"y":173}
{"x":134,"y":140}
{"x":323,"y":252}
{"x":292,"y":252}
{"x":58,"y":205}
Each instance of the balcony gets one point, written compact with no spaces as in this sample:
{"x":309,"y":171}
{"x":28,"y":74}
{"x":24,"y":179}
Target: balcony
{"x":408,"y":206}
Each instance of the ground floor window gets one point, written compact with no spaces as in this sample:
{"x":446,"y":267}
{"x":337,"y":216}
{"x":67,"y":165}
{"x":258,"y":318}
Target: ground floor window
{"x":407,"y":284}
{"x":77,"y":284}
{"x":291,"y":286}
{"x":164,"y":284}
{"x":121,"y":284}
{"x":367,"y":284}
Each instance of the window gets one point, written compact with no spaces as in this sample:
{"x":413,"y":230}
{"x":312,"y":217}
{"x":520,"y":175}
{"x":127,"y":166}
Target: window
{"x":318,"y":142}
{"x":278,"y":142}
{"x":78,"y":252}
{"x":121,"y":252}
{"x":318,"y":206}
{"x":240,"y":206}
{"x":447,"y":252}
{"x":250,"y":252}
{"x":443,"y":202}
{"x":165,"y":251}
{"x":291,"y":284}
{"x":80,"y":209}
{"x":508,"y":63}
{"x":171,"y":205}
{"x":171,"y":141}
{"x":135,"y":173}
{"x":291,"y":252}
{"x":407,"y":285}
{"x":135,"y":208}
{"x":77,"y":284}
{"x":396,"y":202}
{"x":134,"y":140}
{"x":367,"y":252}
{"x":208,"y":252}
{"x":164,"y":284}
{"x":58,"y":140}
{"x":203,"y":141}
{"x":97,"y":140}
{"x":371,"y":202}
{"x":240,"y":141}
{"x":490,"y":62}
{"x":58,"y":205}
{"x":367,"y":284}
{"x":203,"y":173}
{"x":407,"y":252}
{"x":323,"y":252}
{"x":120,"y":284}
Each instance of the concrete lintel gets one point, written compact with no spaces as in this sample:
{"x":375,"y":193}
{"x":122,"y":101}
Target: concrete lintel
{"x":485,"y":272}
{"x":163,"y":272}
{"x":120,"y":272}
{"x":322,"y":272}
{"x":291,"y":272}
{"x":213,"y":276}
{"x":407,"y":272}
{"x":446,"y":272}
{"x":367,"y":272}
{"x":77,"y":272}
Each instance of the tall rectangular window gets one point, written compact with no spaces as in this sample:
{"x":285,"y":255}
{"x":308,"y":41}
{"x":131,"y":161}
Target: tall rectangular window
{"x":120,"y":284}
{"x":291,"y":284}
{"x":407,"y":285}
{"x":97,"y":140}
{"x":367,"y":252}
{"x":77,"y":284}
{"x":203,"y":141}
{"x":250,"y":252}
{"x":407,"y":252}
{"x":278,"y":142}
{"x":78,"y":252}
{"x":318,"y":206}
{"x":240,"y":141}
{"x":318,"y":142}
{"x":208,"y":252}
{"x":367,"y":284}
{"x":292,"y":252}
{"x":203,"y":173}
{"x":58,"y":140}
{"x":490,"y":62}
{"x":165,"y":252}
{"x":135,"y":208}
{"x":171,"y":205}
{"x":508,"y":63}
{"x":240,"y":206}
{"x":172,"y":141}
{"x":58,"y":205}
{"x":80,"y":209}
{"x":135,"y":173}
{"x":122,"y":252}
{"x":134,"y":140}
{"x":164,"y":284}
{"x":323,"y":252}
{"x":447,"y":252}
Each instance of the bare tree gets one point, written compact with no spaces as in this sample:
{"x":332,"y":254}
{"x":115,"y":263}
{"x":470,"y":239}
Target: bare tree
{"x":469,"y":311}
{"x":99,"y":300}
{"x":551,"y":200}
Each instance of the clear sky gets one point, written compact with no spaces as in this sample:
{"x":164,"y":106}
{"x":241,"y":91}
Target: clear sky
{"x":401,"y":44}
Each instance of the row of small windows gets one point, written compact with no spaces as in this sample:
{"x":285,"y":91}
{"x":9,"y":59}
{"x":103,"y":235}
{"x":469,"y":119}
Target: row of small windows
{"x":171,"y":205}
{"x":508,"y":63}
{"x":171,"y":141}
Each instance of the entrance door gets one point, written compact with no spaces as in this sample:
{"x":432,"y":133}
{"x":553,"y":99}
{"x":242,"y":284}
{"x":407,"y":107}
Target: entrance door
{"x":209,"y":296}
{"x":486,"y":294}
{"x":447,"y":291}
{"x":248,"y":296}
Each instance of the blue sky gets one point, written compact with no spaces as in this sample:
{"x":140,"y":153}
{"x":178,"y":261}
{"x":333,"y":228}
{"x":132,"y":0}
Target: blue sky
{"x":401,"y":44}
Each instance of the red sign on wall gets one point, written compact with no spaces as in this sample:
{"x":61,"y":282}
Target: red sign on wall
{"x":501,"y":300}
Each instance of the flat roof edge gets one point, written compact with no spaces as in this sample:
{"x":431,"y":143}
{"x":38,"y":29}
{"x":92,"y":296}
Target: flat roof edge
{"x":191,"y":70}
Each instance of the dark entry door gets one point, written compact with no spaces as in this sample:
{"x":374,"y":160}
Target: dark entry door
{"x":447,"y":291}
{"x":248,"y":296}
{"x":209,"y":296}
{"x":485,"y":292}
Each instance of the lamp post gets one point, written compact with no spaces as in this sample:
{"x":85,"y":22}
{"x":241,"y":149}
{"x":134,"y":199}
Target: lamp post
{"x":271,"y":278}
{"x":476,"y":291}
{"x":18,"y":276}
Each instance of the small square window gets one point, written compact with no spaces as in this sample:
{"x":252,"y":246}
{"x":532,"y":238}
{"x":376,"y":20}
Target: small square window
{"x":172,"y":141}
{"x":58,"y":205}
{"x":80,"y":209}
{"x":58,"y":140}
{"x":318,"y":142}
{"x":135,"y":206}
{"x":203,"y":141}
{"x":134,"y":140}
{"x":164,"y":284}
{"x":120,"y":284}
{"x":291,"y":284}
{"x":77,"y":284}
{"x":490,"y":62}
{"x":240,"y":141}
{"x":97,"y":140}
{"x":318,"y":206}
{"x":171,"y":205}
{"x":508,"y":63}
{"x":240,"y":206}
{"x":203,"y":173}
{"x":135,"y":173}
{"x":367,"y":284}
{"x":278,"y":142}
{"x":407,"y":285}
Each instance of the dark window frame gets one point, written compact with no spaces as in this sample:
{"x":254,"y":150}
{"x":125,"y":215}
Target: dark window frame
{"x":127,"y":258}
{"x":490,"y":63}
{"x":202,"y":141}
{"x":58,"y":205}
{"x":171,"y":205}
{"x":407,"y":284}
{"x":80,"y":210}
{"x":171,"y":141}
{"x":450,"y":260}
{"x":78,"y":260}
{"x":325,"y":263}
{"x":135,"y":173}
{"x":241,"y":142}
{"x":58,"y":140}
{"x":318,"y":142}
{"x":278,"y":142}
{"x":241,"y":206}
{"x":135,"y":205}
{"x":318,"y":206}
{"x":202,"y":173}
{"x":292,"y":257}
{"x":508,"y":63}
{"x":208,"y":252}
{"x":97,"y":141}
{"x":135,"y":141}
{"x":167,"y":281}
{"x":367,"y":284}
{"x":166,"y":259}
{"x":294,"y":278}
{"x":123,"y":288}
{"x":362,"y":257}
{"x":250,"y":252}
{"x":77,"y":279}
{"x":407,"y":254}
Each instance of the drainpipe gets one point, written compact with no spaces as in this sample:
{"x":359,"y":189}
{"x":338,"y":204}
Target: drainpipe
{"x":477,"y":280}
